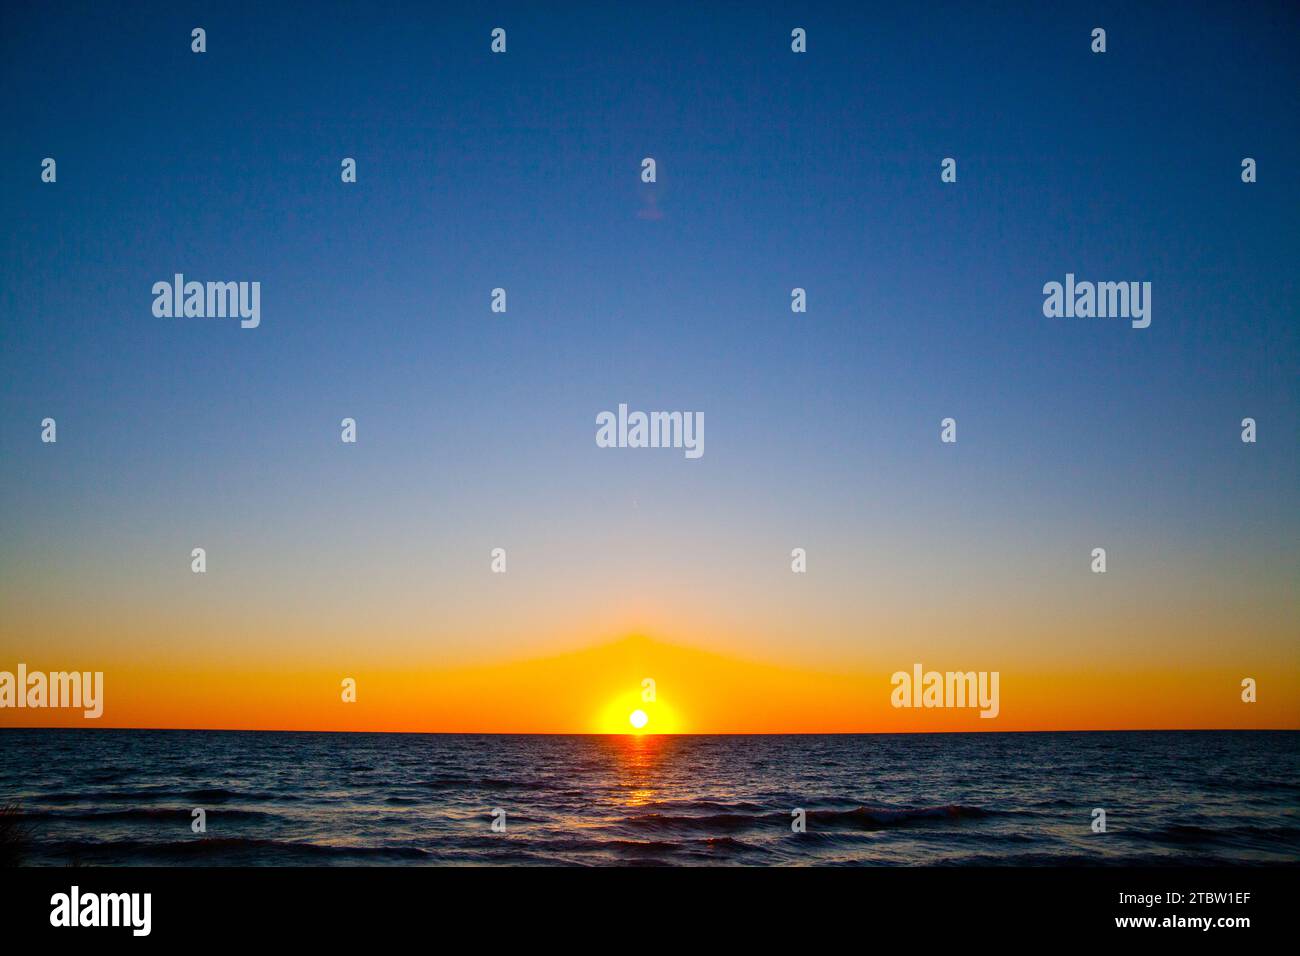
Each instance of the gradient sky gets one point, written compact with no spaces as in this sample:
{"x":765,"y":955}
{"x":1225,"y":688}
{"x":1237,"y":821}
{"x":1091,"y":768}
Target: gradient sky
{"x":476,"y":430}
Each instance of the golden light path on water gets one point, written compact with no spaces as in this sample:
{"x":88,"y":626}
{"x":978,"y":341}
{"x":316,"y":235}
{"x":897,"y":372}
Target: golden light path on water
{"x":639,"y":756}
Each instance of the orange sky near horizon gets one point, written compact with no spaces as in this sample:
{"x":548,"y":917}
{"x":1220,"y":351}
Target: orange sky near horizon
{"x":594,"y":690}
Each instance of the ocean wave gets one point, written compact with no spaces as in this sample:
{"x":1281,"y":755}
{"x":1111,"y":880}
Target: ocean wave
{"x":200,"y":847}
{"x":205,"y":794}
{"x":862,"y":818}
{"x":146,"y":813}
{"x":1190,"y":834}
{"x":462,"y":783}
{"x":882,"y":817}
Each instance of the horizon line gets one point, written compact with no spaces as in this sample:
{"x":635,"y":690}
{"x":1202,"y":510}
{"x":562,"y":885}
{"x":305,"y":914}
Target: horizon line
{"x":724,"y":733}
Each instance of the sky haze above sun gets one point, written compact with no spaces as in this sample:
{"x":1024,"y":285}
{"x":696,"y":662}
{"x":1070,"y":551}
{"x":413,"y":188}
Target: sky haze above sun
{"x":476,"y":430}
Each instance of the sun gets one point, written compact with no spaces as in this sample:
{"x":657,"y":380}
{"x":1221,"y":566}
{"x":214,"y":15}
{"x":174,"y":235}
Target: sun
{"x":630,"y":713}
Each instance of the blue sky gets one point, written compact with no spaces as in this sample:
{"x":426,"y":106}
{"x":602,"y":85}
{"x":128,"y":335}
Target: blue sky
{"x":775,"y":170}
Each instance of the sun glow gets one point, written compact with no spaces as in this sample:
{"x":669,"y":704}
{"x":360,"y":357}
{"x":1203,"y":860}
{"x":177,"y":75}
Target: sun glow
{"x":629,"y":713}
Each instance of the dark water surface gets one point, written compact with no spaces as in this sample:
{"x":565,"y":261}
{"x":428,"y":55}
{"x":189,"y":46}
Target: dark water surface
{"x":97,"y":797}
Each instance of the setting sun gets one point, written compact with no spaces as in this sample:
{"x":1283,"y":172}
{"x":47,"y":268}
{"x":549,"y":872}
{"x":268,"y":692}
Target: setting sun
{"x":636,"y":713}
